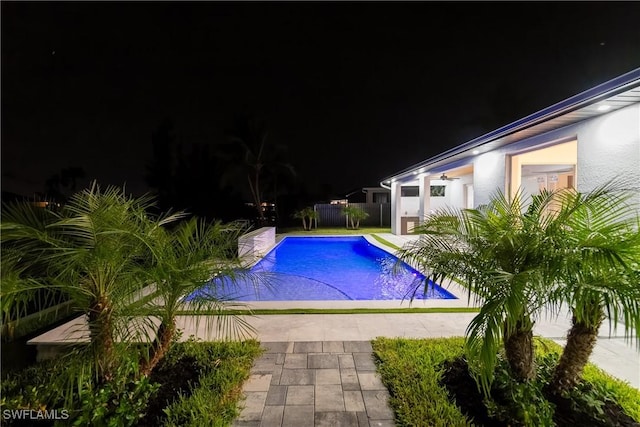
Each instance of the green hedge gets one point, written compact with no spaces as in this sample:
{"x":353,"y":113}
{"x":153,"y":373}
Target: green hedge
{"x":410,"y":368}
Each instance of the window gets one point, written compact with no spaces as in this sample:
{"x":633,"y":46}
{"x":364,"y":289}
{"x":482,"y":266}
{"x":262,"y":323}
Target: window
{"x":380,"y":198}
{"x":438,"y":190}
{"x":410,"y":191}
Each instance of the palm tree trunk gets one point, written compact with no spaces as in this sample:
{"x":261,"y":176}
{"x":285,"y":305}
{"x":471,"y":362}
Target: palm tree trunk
{"x":101,"y":334}
{"x":256,"y":199}
{"x":581,"y":339}
{"x":304,"y":224}
{"x":161,"y":345}
{"x":518,"y":347}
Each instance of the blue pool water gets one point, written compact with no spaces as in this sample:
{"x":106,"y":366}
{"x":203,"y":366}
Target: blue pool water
{"x":330,"y":268}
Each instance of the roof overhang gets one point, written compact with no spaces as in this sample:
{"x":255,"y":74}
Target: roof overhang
{"x":617,"y":93}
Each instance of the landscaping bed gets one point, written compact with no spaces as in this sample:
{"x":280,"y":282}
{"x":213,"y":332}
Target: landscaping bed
{"x":430,"y":384}
{"x":197,"y":383}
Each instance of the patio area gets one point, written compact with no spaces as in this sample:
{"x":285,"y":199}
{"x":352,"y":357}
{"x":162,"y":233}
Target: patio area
{"x":318,"y":369}
{"x":320,"y":366}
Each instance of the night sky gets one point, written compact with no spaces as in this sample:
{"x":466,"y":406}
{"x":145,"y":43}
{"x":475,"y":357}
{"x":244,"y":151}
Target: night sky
{"x":356,"y":91}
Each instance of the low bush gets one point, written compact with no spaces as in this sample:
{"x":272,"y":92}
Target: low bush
{"x":196,"y":383}
{"x":430,"y":384}
{"x":411,"y":370}
{"x":209,"y":398}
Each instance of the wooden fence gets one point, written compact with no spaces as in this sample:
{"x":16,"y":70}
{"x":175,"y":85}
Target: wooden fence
{"x":331,"y":215}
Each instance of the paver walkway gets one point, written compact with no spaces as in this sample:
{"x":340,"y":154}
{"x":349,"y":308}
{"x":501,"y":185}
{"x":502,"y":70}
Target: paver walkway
{"x":315,"y":384}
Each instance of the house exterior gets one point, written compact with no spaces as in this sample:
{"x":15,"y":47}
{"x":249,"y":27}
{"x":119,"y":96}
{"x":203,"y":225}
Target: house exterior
{"x":369,"y":195}
{"x":581,"y":142}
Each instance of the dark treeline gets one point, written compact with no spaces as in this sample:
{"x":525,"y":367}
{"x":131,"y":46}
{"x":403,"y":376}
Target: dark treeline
{"x":226,"y":179}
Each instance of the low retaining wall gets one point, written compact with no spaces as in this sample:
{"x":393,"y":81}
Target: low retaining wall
{"x":31,"y":323}
{"x":56,"y":341}
{"x":256,"y":243}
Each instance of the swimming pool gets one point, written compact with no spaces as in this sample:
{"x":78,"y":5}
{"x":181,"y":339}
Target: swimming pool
{"x":332,"y":268}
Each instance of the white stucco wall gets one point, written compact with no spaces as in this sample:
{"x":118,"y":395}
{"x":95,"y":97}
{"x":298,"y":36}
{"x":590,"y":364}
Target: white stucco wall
{"x":410,"y":206}
{"x":256,"y":244}
{"x":396,"y":205}
{"x":608,"y":148}
{"x":488,"y":175}
{"x":455,"y":191}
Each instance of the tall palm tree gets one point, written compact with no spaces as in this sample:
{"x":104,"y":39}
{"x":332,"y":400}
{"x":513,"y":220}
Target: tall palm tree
{"x":253,"y":159}
{"x":500,"y":254}
{"x":601,"y":278}
{"x":185,"y":259}
{"x":93,"y":250}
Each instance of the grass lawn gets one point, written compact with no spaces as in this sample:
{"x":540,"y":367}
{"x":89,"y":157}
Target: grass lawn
{"x":413,"y":371}
{"x":298,"y":231}
{"x":262,"y":312}
{"x":373,"y":231}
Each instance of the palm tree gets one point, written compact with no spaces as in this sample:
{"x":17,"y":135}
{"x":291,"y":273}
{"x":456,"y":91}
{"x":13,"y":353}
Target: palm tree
{"x":22,"y":282}
{"x":93,"y":251}
{"x":186,"y":258}
{"x":253,"y":159}
{"x":500,"y":254}
{"x":601,"y":247}
{"x":355,"y":215}
{"x":305,"y":213}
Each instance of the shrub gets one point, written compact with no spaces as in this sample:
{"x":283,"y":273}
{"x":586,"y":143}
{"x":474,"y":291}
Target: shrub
{"x":119,"y":402}
{"x":355,"y":215}
{"x":211,"y":399}
{"x":413,"y":370}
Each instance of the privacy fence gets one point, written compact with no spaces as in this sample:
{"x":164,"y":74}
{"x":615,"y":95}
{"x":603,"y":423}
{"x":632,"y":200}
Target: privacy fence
{"x":331,"y":215}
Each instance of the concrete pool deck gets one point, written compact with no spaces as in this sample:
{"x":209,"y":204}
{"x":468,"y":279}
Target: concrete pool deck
{"x":612,"y":353}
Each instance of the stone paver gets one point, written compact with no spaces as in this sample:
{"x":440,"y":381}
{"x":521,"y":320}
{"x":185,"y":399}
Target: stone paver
{"x":328,"y":376}
{"x":333,"y":382}
{"x":377,"y":404}
{"x":272,"y":415}
{"x":329,"y":398}
{"x":353,"y":401}
{"x":277,"y":395}
{"x":307,"y":347}
{"x":258,"y":382}
{"x":315,"y":384}
{"x":295,"y":361}
{"x":323,"y":361}
{"x":364,"y":361}
{"x":300,"y":395}
{"x":297,"y":416}
{"x":370,"y":381}
{"x":297,"y":377}
{"x":333,"y":347}
{"x":336,"y":419}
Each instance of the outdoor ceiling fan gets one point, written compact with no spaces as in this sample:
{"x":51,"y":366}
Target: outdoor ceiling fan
{"x":444,"y":177}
